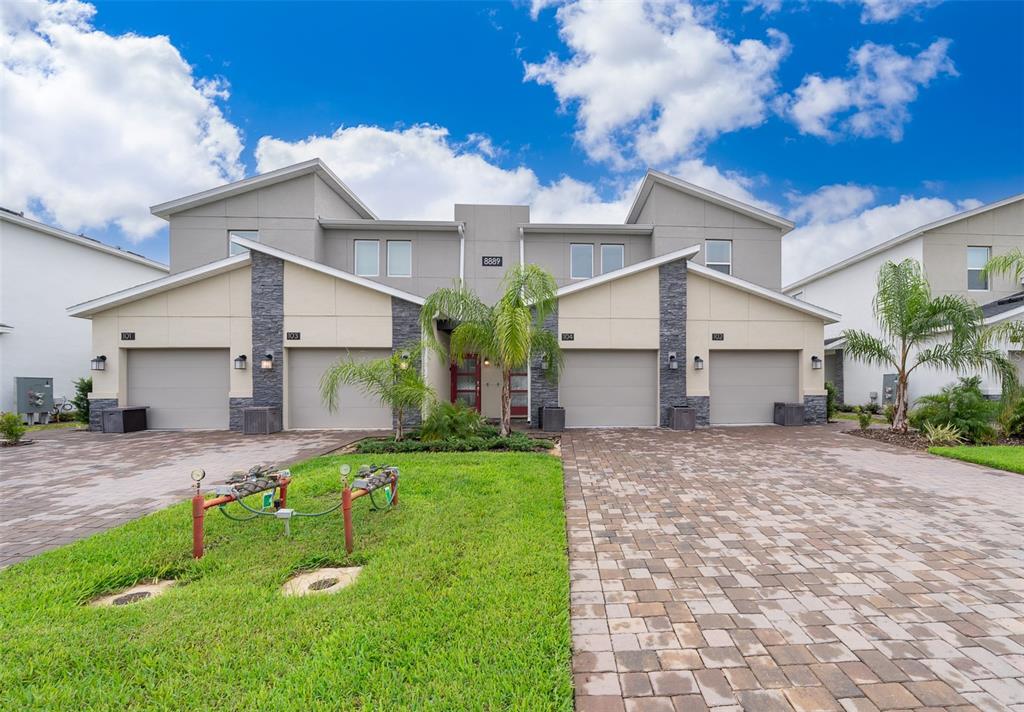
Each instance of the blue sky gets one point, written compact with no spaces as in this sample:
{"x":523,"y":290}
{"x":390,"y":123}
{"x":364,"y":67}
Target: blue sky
{"x":954,"y":135}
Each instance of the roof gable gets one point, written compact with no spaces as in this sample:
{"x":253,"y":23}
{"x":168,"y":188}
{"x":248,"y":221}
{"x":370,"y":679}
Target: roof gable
{"x":684,"y":254}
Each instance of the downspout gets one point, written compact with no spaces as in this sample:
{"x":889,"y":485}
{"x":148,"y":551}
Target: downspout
{"x":522,"y":250}
{"x":529,"y":364}
{"x":462,"y":254}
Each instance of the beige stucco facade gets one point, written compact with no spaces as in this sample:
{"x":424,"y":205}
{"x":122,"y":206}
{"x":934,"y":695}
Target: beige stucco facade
{"x":620,"y":314}
{"x":331,"y":312}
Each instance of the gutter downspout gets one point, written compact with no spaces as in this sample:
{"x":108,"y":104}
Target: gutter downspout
{"x":522,"y":250}
{"x":462,"y":254}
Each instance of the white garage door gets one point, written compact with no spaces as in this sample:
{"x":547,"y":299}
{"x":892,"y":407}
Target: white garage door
{"x":746,"y":384}
{"x":609,"y":388}
{"x":356,"y":410}
{"x":184,"y":389}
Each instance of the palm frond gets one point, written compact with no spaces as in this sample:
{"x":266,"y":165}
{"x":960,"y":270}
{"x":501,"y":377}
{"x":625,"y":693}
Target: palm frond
{"x":512,"y":331}
{"x":868,"y":348}
{"x":1011,"y":263}
{"x":546,"y":345}
{"x":458,"y":304}
{"x":473,"y":337}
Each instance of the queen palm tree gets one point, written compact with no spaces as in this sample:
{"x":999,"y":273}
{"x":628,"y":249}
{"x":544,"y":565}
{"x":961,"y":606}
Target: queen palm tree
{"x":508,"y":333}
{"x":919,"y":330}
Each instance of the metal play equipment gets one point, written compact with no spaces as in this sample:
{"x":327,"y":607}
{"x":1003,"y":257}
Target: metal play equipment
{"x":266,"y":480}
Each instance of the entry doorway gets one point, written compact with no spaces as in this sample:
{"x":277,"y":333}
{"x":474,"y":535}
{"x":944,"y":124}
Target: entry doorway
{"x":467,"y":387}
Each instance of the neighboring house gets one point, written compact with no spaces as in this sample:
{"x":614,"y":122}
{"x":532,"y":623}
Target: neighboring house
{"x":952,"y":252}
{"x":276,"y":276}
{"x":42,"y":269}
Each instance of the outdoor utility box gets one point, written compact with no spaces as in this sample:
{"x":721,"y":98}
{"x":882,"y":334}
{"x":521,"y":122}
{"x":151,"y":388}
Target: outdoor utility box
{"x":124,"y":420}
{"x":789,"y":414}
{"x":551,"y":419}
{"x":35,"y":395}
{"x":261,"y":420}
{"x":683,"y":418}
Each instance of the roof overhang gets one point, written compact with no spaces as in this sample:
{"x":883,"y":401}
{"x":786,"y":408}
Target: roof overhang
{"x":683,"y":254}
{"x":393,"y":225}
{"x":147,"y":289}
{"x":829,"y":317}
{"x":1008,"y":315}
{"x":586,"y":229}
{"x":314,"y":165}
{"x":654,"y":177}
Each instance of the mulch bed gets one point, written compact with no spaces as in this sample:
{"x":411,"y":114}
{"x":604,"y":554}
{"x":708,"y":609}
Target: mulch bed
{"x":913,"y":439}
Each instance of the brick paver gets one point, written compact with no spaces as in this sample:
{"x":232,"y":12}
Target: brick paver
{"x":68,"y":485}
{"x":790,"y":569}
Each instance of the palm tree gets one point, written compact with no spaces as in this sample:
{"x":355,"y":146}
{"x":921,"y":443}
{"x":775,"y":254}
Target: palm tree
{"x":1012,"y":264}
{"x":921,"y":330}
{"x":508,"y":333}
{"x":395,"y":380}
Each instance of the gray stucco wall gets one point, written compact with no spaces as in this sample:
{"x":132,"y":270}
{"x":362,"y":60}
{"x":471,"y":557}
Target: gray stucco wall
{"x":267,"y":329}
{"x":406,"y":333}
{"x":491,"y":230}
{"x":96,"y":408}
{"x":551,"y":250}
{"x":672,"y":299}
{"x":543,"y":391}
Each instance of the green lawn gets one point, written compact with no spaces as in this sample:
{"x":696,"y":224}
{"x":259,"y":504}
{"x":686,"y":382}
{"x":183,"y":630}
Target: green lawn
{"x":462,"y":604}
{"x":54,"y":426}
{"x":840,"y":415}
{"x":1001,"y":457}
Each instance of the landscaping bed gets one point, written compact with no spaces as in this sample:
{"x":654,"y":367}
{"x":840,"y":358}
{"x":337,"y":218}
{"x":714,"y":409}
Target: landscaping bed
{"x":516,"y":442}
{"x":1001,"y":457}
{"x":462,"y":602}
{"x":914,"y":440}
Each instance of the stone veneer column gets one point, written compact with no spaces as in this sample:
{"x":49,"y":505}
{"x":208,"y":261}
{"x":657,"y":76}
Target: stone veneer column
{"x":543,"y":392}
{"x":839,"y":357}
{"x":672,"y":298}
{"x":815,"y":410}
{"x":96,"y":408}
{"x":267,"y":337}
{"x":406,"y":333}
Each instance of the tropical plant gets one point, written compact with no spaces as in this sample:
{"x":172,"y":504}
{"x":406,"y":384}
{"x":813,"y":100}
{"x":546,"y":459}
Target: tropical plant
{"x":452,"y":420}
{"x":960,"y":405}
{"x":1011,"y":418}
{"x":83,"y":387}
{"x":890,"y":413}
{"x":863,"y":417}
{"x":831,"y":395}
{"x":919,"y":330}
{"x":508,"y":333}
{"x":396,"y":380}
{"x":11,"y":428}
{"x":945,"y":434}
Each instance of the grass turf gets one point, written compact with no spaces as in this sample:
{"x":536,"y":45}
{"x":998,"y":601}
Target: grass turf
{"x":1001,"y":457}
{"x":54,"y":426}
{"x":462,"y":604}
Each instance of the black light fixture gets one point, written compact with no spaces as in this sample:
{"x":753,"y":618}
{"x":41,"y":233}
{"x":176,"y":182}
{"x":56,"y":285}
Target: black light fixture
{"x":815,"y":362}
{"x":98,"y":364}
{"x":241,"y":362}
{"x":403,"y":363}
{"x":673,"y":360}
{"x":698,"y":363}
{"x":267,"y":362}
{"x":544,"y":362}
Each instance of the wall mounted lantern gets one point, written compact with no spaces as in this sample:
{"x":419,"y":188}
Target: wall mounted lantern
{"x":698,"y":363}
{"x":403,"y":363}
{"x":815,"y":362}
{"x":544,"y":362}
{"x":267,"y":362}
{"x":241,"y":362}
{"x":98,"y":364}
{"x":673,"y":360}
{"x":487,"y":361}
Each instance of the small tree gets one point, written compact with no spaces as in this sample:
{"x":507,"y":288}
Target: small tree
{"x":395,"y":380}
{"x":831,"y":394}
{"x":921,"y":330}
{"x":11,"y":427}
{"x":508,"y":333}
{"x":83,"y":387}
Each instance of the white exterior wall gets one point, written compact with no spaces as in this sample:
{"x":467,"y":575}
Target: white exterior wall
{"x":40,"y":276}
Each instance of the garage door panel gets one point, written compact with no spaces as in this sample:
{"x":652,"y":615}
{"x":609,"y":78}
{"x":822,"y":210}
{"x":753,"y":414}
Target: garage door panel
{"x":356,"y":409}
{"x":745,"y":385}
{"x":609,"y":388}
{"x":183,"y":388}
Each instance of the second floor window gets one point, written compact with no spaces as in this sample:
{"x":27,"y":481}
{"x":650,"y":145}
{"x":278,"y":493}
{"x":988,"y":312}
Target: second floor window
{"x":613,"y":257}
{"x":234,"y":249}
{"x":581,"y":261}
{"x":977,"y":258}
{"x":399,"y":258}
{"x":367,"y":258}
{"x":718,"y":255}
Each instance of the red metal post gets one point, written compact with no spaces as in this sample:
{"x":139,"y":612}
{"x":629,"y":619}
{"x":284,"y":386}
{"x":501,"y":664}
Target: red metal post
{"x":346,"y":510}
{"x":394,"y":490}
{"x":198,"y":514}
{"x":284,"y":493}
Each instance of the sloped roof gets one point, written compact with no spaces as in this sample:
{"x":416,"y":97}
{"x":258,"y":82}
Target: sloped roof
{"x":1001,"y":307}
{"x":829,"y":317}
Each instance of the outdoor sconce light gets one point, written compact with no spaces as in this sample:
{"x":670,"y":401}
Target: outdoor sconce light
{"x":487,"y":361}
{"x":404,"y":362}
{"x":673,"y":360}
{"x":815,"y":362}
{"x":544,"y":362}
{"x":267,"y":362}
{"x":698,"y":363}
{"x":240,"y":362}
{"x":98,"y":364}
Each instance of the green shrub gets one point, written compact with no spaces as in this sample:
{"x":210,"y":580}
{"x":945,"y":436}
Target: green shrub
{"x":518,"y":442}
{"x":451,"y":420}
{"x":11,"y":427}
{"x":872,"y":408}
{"x":890,"y":413}
{"x":83,"y":387}
{"x":863,"y":417}
{"x":1012,"y":418}
{"x":961,"y":405}
{"x":846,"y":407}
{"x":942,"y":434}
{"x":831,"y":394}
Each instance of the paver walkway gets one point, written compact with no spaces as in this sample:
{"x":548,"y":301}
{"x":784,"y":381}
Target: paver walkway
{"x":790,"y":569}
{"x":68,"y":485}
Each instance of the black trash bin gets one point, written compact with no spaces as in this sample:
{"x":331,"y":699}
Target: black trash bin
{"x":683,"y":418}
{"x":552,"y":419}
{"x":789,"y":414}
{"x":124,"y":420}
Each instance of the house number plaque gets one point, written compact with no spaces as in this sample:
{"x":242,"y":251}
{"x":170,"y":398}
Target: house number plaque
{"x":718,"y":336}
{"x":568,"y":336}
{"x":293,"y":335}
{"x":491,"y":261}
{"x":127,"y":336}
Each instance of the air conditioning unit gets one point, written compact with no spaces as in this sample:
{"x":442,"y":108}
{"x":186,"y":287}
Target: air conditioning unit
{"x":261,"y":420}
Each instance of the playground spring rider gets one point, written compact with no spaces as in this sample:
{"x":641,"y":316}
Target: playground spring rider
{"x":266,"y":480}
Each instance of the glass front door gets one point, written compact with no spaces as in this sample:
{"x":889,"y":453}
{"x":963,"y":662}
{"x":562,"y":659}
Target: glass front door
{"x":466,"y":382}
{"x":519,"y":389}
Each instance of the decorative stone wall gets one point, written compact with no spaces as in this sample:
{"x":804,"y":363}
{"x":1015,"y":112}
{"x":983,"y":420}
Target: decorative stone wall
{"x":96,"y":408}
{"x":543,"y":391}
{"x":672,"y":299}
{"x":815,"y":410}
{"x":235,"y":416}
{"x":837,"y":358}
{"x":267,"y":331}
{"x":702,"y":404}
{"x":406,"y":333}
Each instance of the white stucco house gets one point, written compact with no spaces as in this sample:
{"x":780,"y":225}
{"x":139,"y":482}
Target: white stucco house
{"x":42,"y":270}
{"x":952,"y":252}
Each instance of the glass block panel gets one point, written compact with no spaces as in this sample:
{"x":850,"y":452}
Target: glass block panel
{"x":519,"y":400}
{"x":519,"y":382}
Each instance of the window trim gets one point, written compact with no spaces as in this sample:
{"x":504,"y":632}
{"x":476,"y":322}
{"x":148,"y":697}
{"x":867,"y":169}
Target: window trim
{"x":988,"y":277}
{"x":388,"y":252}
{"x":234,"y":249}
{"x":622,"y":250}
{"x":581,"y":244}
{"x":712,"y":265}
{"x":355,"y":258}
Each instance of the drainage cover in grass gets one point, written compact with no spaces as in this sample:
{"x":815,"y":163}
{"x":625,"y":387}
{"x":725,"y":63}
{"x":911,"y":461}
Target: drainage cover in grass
{"x":138,"y":592}
{"x":320,"y":581}
{"x":130,"y":598}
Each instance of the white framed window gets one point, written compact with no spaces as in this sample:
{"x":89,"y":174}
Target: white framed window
{"x":718,"y":255}
{"x":613,"y":257}
{"x":234,"y":249}
{"x":581,"y":260}
{"x":399,"y":258}
{"x":977,"y":258}
{"x":367,"y":258}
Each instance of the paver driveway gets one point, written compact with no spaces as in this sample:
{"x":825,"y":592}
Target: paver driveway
{"x":68,"y":485}
{"x":779,"y":569}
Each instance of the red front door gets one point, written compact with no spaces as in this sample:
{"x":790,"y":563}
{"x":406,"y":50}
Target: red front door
{"x":519,"y":388}
{"x":466,"y":382}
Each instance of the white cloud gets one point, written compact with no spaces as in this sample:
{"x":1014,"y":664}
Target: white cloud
{"x":873,"y":102}
{"x":654,"y":80}
{"x":889,"y":10}
{"x":96,"y":128}
{"x":729,"y":183}
{"x":419,"y":172}
{"x":831,"y":202}
{"x":829,"y":238}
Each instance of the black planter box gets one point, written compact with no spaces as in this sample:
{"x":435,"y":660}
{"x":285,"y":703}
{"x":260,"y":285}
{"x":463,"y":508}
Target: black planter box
{"x":551,"y":420}
{"x":789,"y":414}
{"x":683,"y":418}
{"x":124,"y":420}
